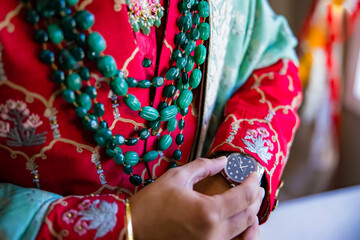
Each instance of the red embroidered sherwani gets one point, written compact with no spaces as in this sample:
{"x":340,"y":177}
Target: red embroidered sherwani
{"x":65,"y":160}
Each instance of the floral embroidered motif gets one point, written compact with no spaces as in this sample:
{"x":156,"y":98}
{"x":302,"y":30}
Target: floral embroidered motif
{"x":234,"y":130}
{"x":102,"y":218}
{"x":81,"y":227}
{"x":69,"y":216}
{"x":24,"y":125}
{"x":259,"y":144}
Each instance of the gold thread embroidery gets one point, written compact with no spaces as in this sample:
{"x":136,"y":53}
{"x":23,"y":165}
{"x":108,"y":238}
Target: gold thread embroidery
{"x":142,"y":177}
{"x":158,"y":164}
{"x":126,"y":72}
{"x":7,"y":21}
{"x":60,"y":235}
{"x":113,"y":188}
{"x":168,"y":45}
{"x":120,"y":119}
{"x":84,"y":4}
{"x":117,"y":5}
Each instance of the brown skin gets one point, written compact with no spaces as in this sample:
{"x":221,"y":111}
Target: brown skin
{"x":170,"y":208}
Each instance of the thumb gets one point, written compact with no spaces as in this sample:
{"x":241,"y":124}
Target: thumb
{"x":201,"y":168}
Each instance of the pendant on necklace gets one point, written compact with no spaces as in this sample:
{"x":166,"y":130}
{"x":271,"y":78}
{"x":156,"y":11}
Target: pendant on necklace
{"x":144,"y":14}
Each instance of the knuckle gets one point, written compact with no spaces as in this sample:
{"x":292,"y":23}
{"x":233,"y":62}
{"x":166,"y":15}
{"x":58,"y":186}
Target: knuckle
{"x":250,"y":194}
{"x":250,"y":216}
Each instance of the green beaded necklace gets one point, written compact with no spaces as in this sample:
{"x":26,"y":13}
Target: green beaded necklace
{"x":71,"y":72}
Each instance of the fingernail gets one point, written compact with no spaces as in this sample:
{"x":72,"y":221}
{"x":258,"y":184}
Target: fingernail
{"x":262,"y":193}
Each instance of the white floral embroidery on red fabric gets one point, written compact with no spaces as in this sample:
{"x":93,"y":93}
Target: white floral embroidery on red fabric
{"x":256,"y":142}
{"x":18,"y":126}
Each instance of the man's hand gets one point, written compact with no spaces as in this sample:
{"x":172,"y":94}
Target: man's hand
{"x":169,"y":208}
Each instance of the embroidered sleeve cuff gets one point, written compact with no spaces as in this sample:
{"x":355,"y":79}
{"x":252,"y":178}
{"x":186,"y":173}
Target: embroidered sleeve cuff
{"x":261,"y":121}
{"x":88,"y":217}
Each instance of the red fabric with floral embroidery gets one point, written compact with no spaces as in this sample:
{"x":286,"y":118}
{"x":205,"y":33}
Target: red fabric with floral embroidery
{"x":64,"y":154}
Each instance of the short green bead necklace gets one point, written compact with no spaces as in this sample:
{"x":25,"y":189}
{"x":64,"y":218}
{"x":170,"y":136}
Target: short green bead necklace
{"x":74,"y":29}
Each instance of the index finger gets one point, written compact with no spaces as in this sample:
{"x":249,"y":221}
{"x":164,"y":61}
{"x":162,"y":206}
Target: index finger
{"x":239,"y":198}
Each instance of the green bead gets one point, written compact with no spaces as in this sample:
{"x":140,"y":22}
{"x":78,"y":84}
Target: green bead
{"x":150,"y":156}
{"x":189,"y":47}
{"x":181,"y":87}
{"x":80,"y":111}
{"x":84,"y":73}
{"x":32,"y":16}
{"x":144,"y":84}
{"x":78,"y":53}
{"x":96,"y":42}
{"x":134,"y":25}
{"x":146,"y":30}
{"x":185,"y":22}
{"x":181,"y":63}
{"x":162,"y":105}
{"x":172,"y":165}
{"x":204,"y":30}
{"x":90,"y":123}
{"x":103,"y":124}
{"x":113,"y":152}
{"x":93,"y":56}
{"x":41,"y":36}
{"x":68,"y":95}
{"x":200,"y":54}
{"x":80,"y":39}
{"x":184,"y":78}
{"x":186,"y":5}
{"x":158,"y":81}
{"x":91,"y":91}
{"x":180,"y":38}
{"x":169,"y":91}
{"x":119,"y":139}
{"x":132,"y":102}
{"x":149,"y":113}
{"x":99,"y":109}
{"x":131,"y":141}
{"x":168,"y":113}
{"x":73,"y":81}
{"x":184,"y":111}
{"x":157,"y":22}
{"x":177,"y":154}
{"x":47,"y":56}
{"x":203,"y":9}
{"x":119,"y":159}
{"x":84,"y":19}
{"x":164,"y":142}
{"x":84,"y":101}
{"x":147,"y":182}
{"x":171,"y":125}
{"x":151,"y":22}
{"x":181,"y":124}
{"x":131,"y":158}
{"x":66,"y":60}
{"x":172,"y":74}
{"x":102,"y":136}
{"x":176,"y":54}
{"x":107,"y":66}
{"x":58,"y":76}
{"x":154,"y":125}
{"x":119,"y":86}
{"x":146,"y":62}
{"x":179,"y":139}
{"x":194,"y":34}
{"x":71,"y":2}
{"x":196,"y":19}
{"x":56,"y":35}
{"x":127,"y":169}
{"x":160,"y":13}
{"x":132,"y":82}
{"x":135,"y":180}
{"x":190,"y":64}
{"x":195,"y":78}
{"x":144,"y":134}
{"x":185,"y":98}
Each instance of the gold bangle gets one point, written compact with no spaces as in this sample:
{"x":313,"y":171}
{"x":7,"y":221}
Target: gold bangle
{"x":128,"y":223}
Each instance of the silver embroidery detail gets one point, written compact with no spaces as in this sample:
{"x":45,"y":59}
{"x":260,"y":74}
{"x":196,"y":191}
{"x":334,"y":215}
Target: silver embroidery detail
{"x":102,"y":219}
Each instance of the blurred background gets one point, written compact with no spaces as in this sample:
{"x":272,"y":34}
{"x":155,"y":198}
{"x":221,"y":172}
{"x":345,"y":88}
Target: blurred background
{"x":326,"y":151}
{"x":321,"y":195}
